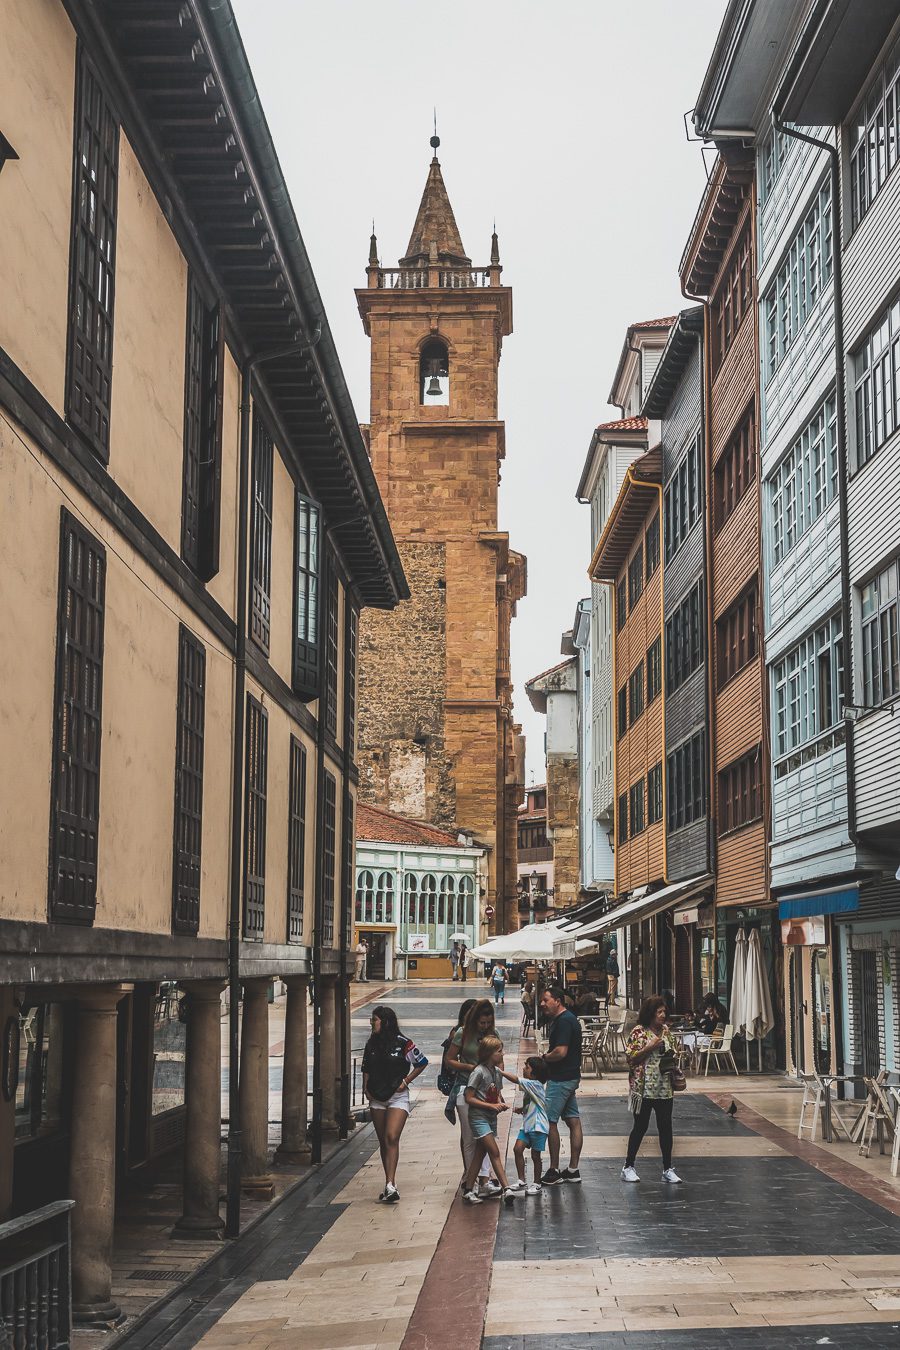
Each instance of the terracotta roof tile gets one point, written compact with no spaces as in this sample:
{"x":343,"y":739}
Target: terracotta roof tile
{"x":656,"y":323}
{"x":625,"y":424}
{"x":386,"y":827}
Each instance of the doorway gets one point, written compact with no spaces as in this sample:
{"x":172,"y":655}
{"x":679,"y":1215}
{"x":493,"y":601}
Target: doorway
{"x":377,"y":944}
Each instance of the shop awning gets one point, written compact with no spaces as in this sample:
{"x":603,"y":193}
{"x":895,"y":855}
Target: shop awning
{"x":643,"y":906}
{"x":835,"y":901}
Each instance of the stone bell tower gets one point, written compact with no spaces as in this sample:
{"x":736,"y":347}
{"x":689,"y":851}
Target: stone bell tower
{"x":437,"y":739}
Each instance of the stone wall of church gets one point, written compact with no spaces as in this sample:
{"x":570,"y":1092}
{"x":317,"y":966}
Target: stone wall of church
{"x":403,"y":760}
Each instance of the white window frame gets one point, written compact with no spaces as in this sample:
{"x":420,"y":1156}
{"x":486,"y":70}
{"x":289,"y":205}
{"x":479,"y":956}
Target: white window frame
{"x":807,"y":697}
{"x":798,"y":283}
{"x":880,"y":637}
{"x":805,"y":482}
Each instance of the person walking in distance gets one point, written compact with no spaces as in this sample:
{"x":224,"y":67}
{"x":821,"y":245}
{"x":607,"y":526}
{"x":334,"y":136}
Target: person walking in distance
{"x":612,"y":977}
{"x":361,"y":952}
{"x":563,"y":1065}
{"x":464,"y":963}
{"x":454,"y":960}
{"x":485,"y":1102}
{"x":390,"y":1063}
{"x":498,"y":983}
{"x":535,"y":1125}
{"x":650,"y":1085}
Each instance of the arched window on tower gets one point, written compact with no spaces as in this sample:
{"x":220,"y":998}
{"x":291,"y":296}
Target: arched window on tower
{"x":434,"y":374}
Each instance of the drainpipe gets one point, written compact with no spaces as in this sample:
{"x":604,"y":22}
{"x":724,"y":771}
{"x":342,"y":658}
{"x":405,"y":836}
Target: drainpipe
{"x":233,"y":1185}
{"x":843,"y":457}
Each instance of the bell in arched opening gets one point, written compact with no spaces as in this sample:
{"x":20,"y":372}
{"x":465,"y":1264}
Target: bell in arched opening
{"x":434,"y":374}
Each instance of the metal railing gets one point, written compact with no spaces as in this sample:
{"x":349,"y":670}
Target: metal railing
{"x":35,"y":1279}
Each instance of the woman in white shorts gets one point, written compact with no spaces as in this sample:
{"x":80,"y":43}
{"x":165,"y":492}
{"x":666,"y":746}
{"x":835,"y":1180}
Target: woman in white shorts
{"x":390,"y":1063}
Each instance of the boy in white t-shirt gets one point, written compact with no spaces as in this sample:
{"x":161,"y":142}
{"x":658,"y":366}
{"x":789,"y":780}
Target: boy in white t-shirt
{"x":535,"y":1124}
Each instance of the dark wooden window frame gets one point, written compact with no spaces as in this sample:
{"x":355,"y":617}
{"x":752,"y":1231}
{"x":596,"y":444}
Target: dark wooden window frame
{"x":332,"y":648}
{"x":329,"y":857}
{"x":621,"y":604}
{"x":685,"y":639}
{"x":735,"y":471}
{"x":651,"y":548}
{"x":622,"y":818}
{"x":686,"y":774}
{"x":733,"y":298}
{"x":307,"y":654}
{"x":636,"y":814}
{"x":297,"y":769}
{"x":255,"y":793}
{"x":654,"y":794}
{"x":622,"y":722}
{"x":635,"y":579}
{"x":92,"y":259}
{"x":683,"y":498}
{"x":737,"y":639}
{"x":262,"y":486}
{"x":351,"y":653}
{"x":203,"y":404}
{"x":654,"y":670}
{"x":740,"y":792}
{"x":188,"y":831}
{"x":636,"y":693}
{"x":77,"y":727}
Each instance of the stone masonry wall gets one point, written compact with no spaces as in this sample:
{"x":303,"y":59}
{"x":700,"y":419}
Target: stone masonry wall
{"x":403,"y":760}
{"x":562,"y":824}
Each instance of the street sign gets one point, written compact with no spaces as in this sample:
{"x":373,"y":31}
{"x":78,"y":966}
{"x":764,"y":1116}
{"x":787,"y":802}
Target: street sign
{"x":489,"y":911}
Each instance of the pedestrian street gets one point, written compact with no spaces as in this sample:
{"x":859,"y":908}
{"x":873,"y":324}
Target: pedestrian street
{"x":769,"y":1241}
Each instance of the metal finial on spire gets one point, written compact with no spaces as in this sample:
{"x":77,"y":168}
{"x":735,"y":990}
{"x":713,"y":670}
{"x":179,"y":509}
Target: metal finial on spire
{"x":435,"y":140}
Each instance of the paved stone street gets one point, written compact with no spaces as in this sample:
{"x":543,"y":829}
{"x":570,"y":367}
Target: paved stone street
{"x":769,"y":1242}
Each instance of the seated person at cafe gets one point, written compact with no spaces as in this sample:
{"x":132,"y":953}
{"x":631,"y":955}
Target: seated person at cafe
{"x":586,"y":1004}
{"x":711,"y":1016}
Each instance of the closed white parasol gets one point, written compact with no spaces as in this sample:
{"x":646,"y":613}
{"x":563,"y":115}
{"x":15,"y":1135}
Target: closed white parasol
{"x":757,"y":1010}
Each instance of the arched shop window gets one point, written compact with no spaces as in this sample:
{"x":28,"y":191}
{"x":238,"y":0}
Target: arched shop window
{"x":434,"y":374}
{"x":466,"y":906}
{"x":384,"y":898}
{"x":447,"y":902}
{"x":365,"y":883}
{"x":412,"y":901}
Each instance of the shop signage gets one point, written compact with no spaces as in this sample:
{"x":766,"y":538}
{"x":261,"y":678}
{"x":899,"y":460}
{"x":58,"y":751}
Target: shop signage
{"x":808,"y":931}
{"x":685,"y":916}
{"x":417,"y":942}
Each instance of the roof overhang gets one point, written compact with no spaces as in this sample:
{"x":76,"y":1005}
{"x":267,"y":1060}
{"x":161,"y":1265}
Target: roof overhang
{"x":751,"y":45}
{"x":686,"y":333}
{"x":838,"y":46}
{"x":605,"y":436}
{"x":641,"y":485}
{"x":720,"y":210}
{"x":182,"y":80}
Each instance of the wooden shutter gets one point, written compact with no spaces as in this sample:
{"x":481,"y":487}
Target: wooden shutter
{"x":92,"y":260}
{"x":75,"y":801}
{"x":188,"y":783}
{"x":331,"y":649}
{"x":201,"y":496}
{"x":296,"y":839}
{"x":255,"y":820}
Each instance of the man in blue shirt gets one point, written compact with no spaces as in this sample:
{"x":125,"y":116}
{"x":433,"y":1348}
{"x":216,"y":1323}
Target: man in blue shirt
{"x":563,"y":1064}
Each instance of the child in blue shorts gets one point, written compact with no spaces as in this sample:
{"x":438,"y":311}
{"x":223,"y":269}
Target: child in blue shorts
{"x":535,"y":1124}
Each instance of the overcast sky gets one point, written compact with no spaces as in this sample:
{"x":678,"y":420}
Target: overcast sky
{"x":563,"y":120}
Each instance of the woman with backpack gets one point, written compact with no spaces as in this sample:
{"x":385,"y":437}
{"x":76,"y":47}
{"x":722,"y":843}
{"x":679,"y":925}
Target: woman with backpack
{"x":391,"y":1061}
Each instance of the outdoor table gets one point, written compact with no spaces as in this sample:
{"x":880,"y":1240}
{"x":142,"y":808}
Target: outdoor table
{"x":828,"y":1081}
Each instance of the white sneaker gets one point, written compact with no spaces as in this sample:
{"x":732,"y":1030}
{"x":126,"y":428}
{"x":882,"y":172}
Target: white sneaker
{"x":509,"y":1196}
{"x":517,"y":1186}
{"x":671,"y":1176}
{"x":471,"y":1198}
{"x":534,"y":1188}
{"x":489,"y":1190}
{"x":629,"y":1174}
{"x":391,"y":1194}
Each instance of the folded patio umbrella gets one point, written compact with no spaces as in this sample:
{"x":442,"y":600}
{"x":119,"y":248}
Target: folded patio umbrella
{"x":757,"y":1007}
{"x":736,"y":1014}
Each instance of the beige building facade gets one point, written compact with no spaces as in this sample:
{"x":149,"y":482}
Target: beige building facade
{"x":438,"y":740}
{"x":189,"y":530}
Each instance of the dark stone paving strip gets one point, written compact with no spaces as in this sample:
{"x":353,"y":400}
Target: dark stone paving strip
{"x":739,"y":1206}
{"x":855,"y":1336}
{"x":838,"y":1168}
{"x":695,"y":1114}
{"x":271,"y":1250}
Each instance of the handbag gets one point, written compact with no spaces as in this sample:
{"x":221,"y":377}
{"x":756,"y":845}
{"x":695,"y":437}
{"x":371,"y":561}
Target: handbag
{"x":669,"y":1064}
{"x":445,"y":1080}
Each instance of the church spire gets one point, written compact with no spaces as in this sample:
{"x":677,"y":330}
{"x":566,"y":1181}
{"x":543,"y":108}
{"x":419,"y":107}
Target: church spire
{"x":435,"y":223}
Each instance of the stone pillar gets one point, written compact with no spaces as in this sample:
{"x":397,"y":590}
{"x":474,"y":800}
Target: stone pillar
{"x":203,"y":1095}
{"x":294,"y":1146}
{"x":329,"y":1054}
{"x":92,"y":1179}
{"x":254,"y":1087}
{"x":8,"y":1010}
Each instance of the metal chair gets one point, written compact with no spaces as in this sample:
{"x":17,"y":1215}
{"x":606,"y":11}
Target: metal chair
{"x":720,"y":1048}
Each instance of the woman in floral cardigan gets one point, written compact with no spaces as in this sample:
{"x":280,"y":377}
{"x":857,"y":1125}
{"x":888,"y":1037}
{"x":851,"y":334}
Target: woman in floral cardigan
{"x":650,"y":1086}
